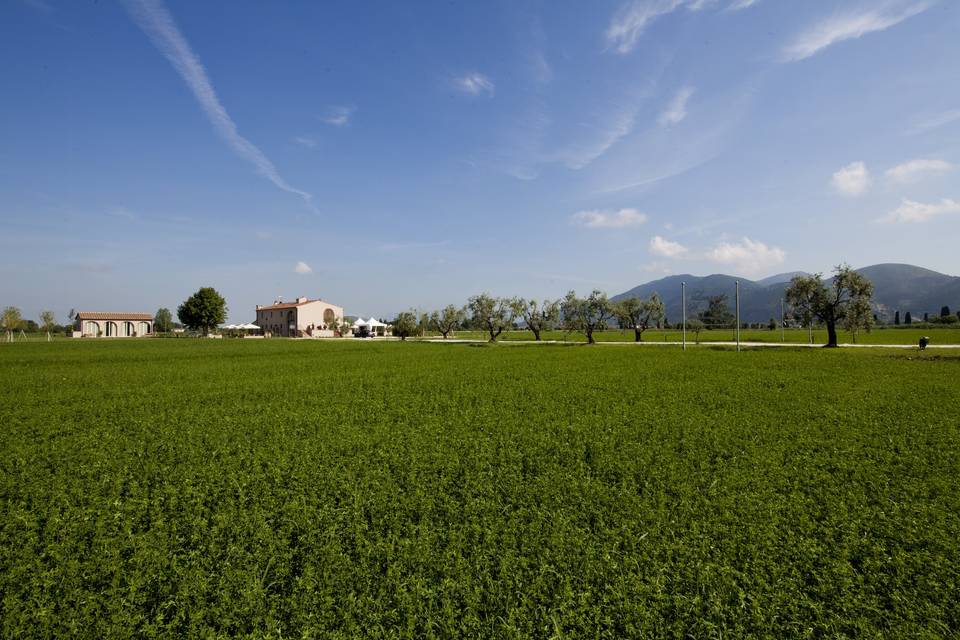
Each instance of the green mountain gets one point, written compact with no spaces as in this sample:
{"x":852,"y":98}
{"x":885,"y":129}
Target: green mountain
{"x":900,"y":287}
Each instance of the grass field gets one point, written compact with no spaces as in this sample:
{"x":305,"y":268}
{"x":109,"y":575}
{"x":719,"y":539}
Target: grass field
{"x":796,"y":336}
{"x":229,"y":488}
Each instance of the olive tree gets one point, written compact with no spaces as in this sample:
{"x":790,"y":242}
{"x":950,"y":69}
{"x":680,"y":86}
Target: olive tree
{"x":538,"y":317}
{"x":695,"y":326}
{"x":638,"y":314}
{"x":490,"y":314}
{"x":447,"y":320}
{"x":840,"y":302}
{"x":858,"y":317}
{"x":406,"y":324}
{"x":586,"y":315}
{"x":11,"y":319}
{"x":203,"y":311}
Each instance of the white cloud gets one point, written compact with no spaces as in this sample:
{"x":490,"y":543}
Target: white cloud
{"x":154,"y":19}
{"x":339,"y":116}
{"x":747,"y":256}
{"x":737,"y":5}
{"x":910,"y":211}
{"x":660,"y":246}
{"x":632,"y":19}
{"x":851,"y":25}
{"x":609,"y":219}
{"x":302,"y":268}
{"x":916,"y":169}
{"x":852,"y":180}
{"x":475,"y":84}
{"x":677,"y":109}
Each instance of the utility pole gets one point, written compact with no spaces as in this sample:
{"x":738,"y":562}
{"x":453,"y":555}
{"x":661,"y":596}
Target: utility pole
{"x":683,"y":298}
{"x":782,"y":320}
{"x":738,"y":315}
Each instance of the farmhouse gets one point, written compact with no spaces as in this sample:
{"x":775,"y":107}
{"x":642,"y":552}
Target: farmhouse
{"x":301,"y":318}
{"x":112,"y":324}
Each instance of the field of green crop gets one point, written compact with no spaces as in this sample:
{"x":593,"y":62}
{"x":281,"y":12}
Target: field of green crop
{"x":308,"y":489}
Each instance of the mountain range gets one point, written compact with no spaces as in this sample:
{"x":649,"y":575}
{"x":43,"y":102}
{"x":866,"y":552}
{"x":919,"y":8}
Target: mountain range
{"x":897,"y":287}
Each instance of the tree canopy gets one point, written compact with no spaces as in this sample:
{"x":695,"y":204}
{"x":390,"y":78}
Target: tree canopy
{"x":845,"y":300}
{"x":587,"y":315}
{"x":163,"y":320}
{"x":538,"y":317}
{"x":406,"y":324}
{"x":203,"y":311}
{"x":639,"y":314}
{"x":493,"y":315}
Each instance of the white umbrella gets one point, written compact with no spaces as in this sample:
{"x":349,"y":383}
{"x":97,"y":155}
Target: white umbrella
{"x":249,"y":325}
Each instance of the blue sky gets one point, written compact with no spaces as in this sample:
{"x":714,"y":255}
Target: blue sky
{"x":393,"y":155}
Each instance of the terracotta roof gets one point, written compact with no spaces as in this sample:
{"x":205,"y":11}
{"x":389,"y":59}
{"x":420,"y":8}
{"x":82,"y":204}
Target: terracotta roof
{"x":113,"y":315}
{"x":287,"y":305}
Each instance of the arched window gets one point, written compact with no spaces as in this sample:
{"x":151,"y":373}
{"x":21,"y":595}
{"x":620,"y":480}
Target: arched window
{"x":111,"y":329}
{"x":128,"y":329}
{"x":91,"y":328}
{"x":328,"y":317}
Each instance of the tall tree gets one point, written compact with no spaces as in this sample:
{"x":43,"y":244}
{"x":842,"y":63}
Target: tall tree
{"x":405,"y":324}
{"x":908,"y":319}
{"x":163,"y":321}
{"x":538,"y":317}
{"x":587,"y":315}
{"x":896,"y":318}
{"x":840,"y":302}
{"x":944,"y":311}
{"x":203,"y":311}
{"x":639,"y":314}
{"x":493,"y":315}
{"x":447,"y":320}
{"x":717,"y":315}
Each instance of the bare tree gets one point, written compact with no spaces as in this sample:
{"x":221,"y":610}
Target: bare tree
{"x":493,"y":315}
{"x":538,"y":317}
{"x":586,"y":315}
{"x":639,"y":314}
{"x":842,"y":302}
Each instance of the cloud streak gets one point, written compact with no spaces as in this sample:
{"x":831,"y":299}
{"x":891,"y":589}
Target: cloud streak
{"x":916,"y":169}
{"x":850,"y":26}
{"x":607,"y":219}
{"x":474,"y":84}
{"x":154,"y":19}
{"x":910,"y":211}
{"x":676,"y":111}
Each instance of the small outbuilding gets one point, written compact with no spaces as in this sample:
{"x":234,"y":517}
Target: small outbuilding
{"x":112,"y":324}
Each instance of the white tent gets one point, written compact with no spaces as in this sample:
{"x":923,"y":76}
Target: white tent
{"x":249,"y":325}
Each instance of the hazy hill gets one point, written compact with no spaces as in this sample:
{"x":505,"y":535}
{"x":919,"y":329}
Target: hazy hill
{"x":901,"y":287}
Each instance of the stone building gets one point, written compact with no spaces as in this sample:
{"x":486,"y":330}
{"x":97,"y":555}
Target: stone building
{"x":112,"y":324}
{"x":299,"y":319}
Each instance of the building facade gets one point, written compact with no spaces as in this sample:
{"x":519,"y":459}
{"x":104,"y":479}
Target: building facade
{"x":299,"y":319}
{"x":110,"y":324}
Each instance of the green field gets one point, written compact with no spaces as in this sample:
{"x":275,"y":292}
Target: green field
{"x":796,"y":336}
{"x":228,"y":488}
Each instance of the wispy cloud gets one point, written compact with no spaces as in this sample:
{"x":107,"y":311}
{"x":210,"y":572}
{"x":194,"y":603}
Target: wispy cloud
{"x":603,"y":137}
{"x":609,"y":219}
{"x":851,"y":25}
{"x":852,"y":180}
{"x":475,"y":84}
{"x":935,"y":121}
{"x":748,"y":256}
{"x":154,"y":19}
{"x":911,"y":211}
{"x":738,"y":5}
{"x":302,"y":268}
{"x":306,"y":141}
{"x":917,"y":169}
{"x":660,"y":246}
{"x":676,"y":111}
{"x":339,"y":116}
{"x":632,"y":19}
{"x":409,"y":246}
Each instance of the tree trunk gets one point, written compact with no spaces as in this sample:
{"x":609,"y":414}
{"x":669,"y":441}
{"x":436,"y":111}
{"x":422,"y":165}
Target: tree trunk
{"x":637,"y":334}
{"x":590,"y":339}
{"x":831,"y":334}
{"x":536,"y":333}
